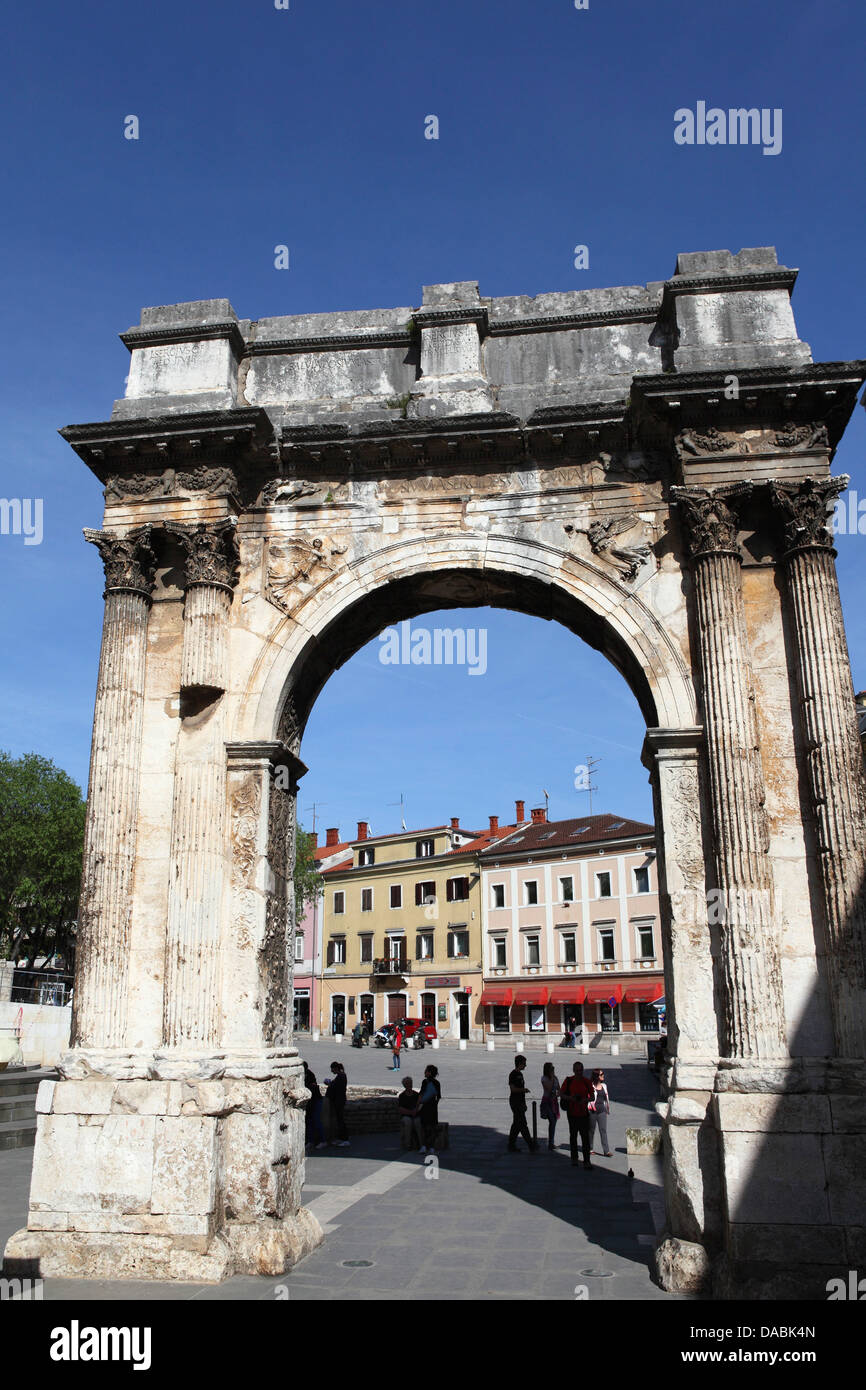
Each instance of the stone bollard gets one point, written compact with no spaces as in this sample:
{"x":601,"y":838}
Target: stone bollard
{"x":550,"y":1047}
{"x":614,"y":1049}
{"x":462,"y":1044}
{"x":519,"y":1045}
{"x":435,"y":1044}
{"x":338,"y":1037}
{"x":316,"y":1035}
{"x":491,"y":1045}
{"x":584,"y":1047}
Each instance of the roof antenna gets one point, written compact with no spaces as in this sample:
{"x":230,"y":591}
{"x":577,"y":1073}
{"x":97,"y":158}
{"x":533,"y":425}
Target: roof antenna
{"x":583,"y":775}
{"x":402,"y":815}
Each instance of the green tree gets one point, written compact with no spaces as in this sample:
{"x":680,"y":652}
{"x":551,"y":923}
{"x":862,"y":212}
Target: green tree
{"x":41,"y":841}
{"x":307,"y":877}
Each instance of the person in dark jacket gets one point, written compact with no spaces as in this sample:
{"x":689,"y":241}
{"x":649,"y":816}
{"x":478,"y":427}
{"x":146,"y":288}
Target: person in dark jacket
{"x":517,"y":1100}
{"x":575,"y":1097}
{"x":313,"y":1119}
{"x":428,"y":1108}
{"x":337,"y":1088}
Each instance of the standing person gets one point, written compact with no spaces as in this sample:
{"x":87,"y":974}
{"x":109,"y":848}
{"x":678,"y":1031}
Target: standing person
{"x":428,"y":1108}
{"x":313,"y":1118}
{"x":598,"y":1116}
{"x":337,"y":1087}
{"x":395,"y":1047}
{"x":576,"y":1096}
{"x":572,"y":1032}
{"x":550,"y":1102}
{"x":410,"y":1125}
{"x":517,"y":1101}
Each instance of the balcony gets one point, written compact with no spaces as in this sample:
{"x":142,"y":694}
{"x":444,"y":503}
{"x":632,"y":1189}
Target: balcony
{"x":391,"y":965}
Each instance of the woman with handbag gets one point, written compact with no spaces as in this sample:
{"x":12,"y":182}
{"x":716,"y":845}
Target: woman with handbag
{"x":599,"y":1109}
{"x":550,"y":1101}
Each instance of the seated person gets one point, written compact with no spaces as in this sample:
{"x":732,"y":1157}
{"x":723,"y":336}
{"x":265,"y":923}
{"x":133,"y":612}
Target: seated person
{"x":410,"y":1124}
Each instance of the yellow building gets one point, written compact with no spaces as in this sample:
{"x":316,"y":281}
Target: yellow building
{"x":402,"y":932}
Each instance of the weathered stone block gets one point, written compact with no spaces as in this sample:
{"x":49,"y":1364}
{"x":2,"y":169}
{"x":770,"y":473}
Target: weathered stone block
{"x":141,"y":1097}
{"x":185,"y":1165}
{"x":682,"y":1266}
{"x":45,"y":1097}
{"x":100,"y":1167}
{"x":756,"y":1242}
{"x":647,"y":1140}
{"x":769,"y":1114}
{"x":845,"y":1160}
{"x":774,"y":1178}
{"x":91,"y":1097}
{"x":847,"y":1113}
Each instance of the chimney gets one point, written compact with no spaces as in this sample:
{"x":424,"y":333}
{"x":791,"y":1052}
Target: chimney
{"x":455,"y":822}
{"x":363,"y":827}
{"x":332,"y":836}
{"x":518,"y":810}
{"x":539,"y":815}
{"x":494,"y":822}
{"x":314,"y":837}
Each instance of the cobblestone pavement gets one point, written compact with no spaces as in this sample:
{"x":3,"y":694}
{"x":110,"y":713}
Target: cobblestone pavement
{"x":481,"y":1223}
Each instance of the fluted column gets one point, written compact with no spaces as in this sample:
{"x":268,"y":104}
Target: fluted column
{"x":192,"y":993}
{"x":754,"y":1026}
{"x":102,"y":956}
{"x":834,"y":760}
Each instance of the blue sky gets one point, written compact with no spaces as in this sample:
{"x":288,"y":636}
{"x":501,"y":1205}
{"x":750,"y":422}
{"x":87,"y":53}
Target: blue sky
{"x":305,"y":127}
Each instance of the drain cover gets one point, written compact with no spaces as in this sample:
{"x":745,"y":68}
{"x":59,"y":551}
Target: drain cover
{"x":598,"y":1274}
{"x":357,"y":1264}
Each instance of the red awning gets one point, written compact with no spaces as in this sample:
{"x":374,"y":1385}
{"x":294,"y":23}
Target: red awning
{"x":531,"y":994}
{"x":496,"y":994}
{"x":645,"y":992}
{"x":567,"y":994}
{"x":601,"y":994}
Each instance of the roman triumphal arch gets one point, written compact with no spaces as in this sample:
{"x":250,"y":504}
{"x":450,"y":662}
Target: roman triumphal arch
{"x":649,"y":466}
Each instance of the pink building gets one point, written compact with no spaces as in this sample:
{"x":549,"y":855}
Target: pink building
{"x":571,"y":929}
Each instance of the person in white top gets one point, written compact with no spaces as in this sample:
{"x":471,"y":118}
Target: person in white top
{"x":599,"y":1110}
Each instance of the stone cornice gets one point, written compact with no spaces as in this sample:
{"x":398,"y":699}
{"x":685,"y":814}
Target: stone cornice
{"x":184,"y":333}
{"x":155,"y":442}
{"x":719,"y":282}
{"x":556,"y":323}
{"x":333,"y":342}
{"x":442,"y":317}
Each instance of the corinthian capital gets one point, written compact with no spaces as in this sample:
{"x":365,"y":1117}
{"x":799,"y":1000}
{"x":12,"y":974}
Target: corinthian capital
{"x":710,"y":523}
{"x":129,"y":560}
{"x":211,"y":553}
{"x":803,"y":510}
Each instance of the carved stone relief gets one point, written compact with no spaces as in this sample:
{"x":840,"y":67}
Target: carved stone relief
{"x":294,"y":563}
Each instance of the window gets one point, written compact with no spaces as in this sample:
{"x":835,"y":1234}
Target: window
{"x":337,"y":951}
{"x":569,"y":948}
{"x":424,"y":946}
{"x":646,"y":945}
{"x":498,"y":890}
{"x":339,"y":903}
{"x":642,"y":879}
{"x":366,"y":949}
{"x":366,"y":857}
{"x":602,"y":885}
{"x":425,"y":893}
{"x":533,"y":950}
{"x":395,"y":947}
{"x":299,"y":945}
{"x":497,"y":952}
{"x":396,"y":895}
{"x":458,"y":944}
{"x":530,"y":892}
{"x":456,"y":890}
{"x":424,"y":849}
{"x":605,"y":943}
{"x":649,"y":1019}
{"x":501,"y":1018}
{"x":566,"y":890}
{"x":610,"y":1018}
{"x":366,"y":900}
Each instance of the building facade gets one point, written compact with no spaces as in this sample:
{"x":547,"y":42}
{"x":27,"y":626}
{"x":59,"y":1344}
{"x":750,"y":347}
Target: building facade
{"x":571,"y":929}
{"x":308,"y":953}
{"x":402,"y":931}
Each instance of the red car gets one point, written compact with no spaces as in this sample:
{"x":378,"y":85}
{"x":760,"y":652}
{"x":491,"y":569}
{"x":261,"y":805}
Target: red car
{"x":411,"y":1026}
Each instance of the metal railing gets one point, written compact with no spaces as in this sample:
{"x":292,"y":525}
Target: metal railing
{"x":40,"y":987}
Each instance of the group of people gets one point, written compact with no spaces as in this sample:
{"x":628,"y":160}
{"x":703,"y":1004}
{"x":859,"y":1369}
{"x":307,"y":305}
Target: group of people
{"x":586,"y":1104}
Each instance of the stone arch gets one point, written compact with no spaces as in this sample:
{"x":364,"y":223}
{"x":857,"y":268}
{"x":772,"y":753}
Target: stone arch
{"x":412,"y":577}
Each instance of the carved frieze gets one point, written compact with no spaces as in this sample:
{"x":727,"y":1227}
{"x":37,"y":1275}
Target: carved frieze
{"x":808,"y":436}
{"x":210,"y":552}
{"x":710,"y":441}
{"x":129,"y":560}
{"x":286,"y":492}
{"x":804,"y":509}
{"x":195,"y":482}
{"x":245,"y":814}
{"x":295,"y":563}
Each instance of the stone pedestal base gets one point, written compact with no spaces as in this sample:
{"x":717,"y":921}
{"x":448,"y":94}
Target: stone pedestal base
{"x":182,"y":1179}
{"x":765,"y":1182}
